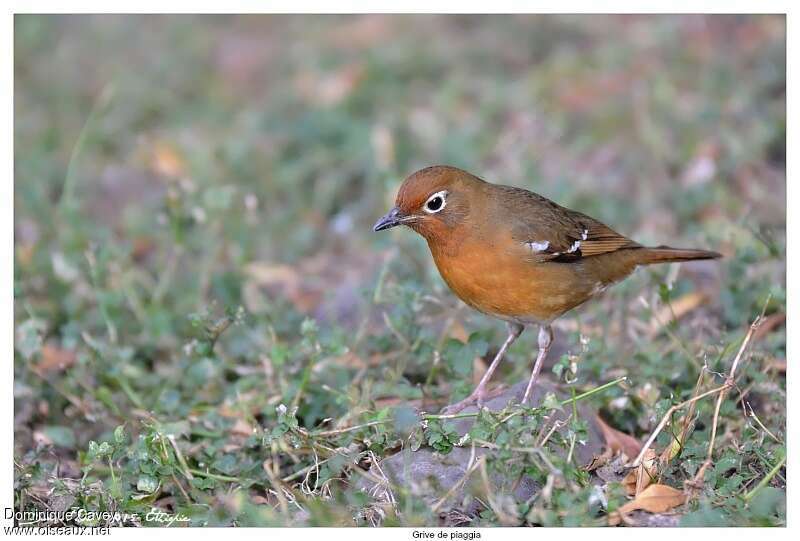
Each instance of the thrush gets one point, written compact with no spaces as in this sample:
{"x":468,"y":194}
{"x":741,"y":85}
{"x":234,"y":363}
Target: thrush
{"x":515,"y":255}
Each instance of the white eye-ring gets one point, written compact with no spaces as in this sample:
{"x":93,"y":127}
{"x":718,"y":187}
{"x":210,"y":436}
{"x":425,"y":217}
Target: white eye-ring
{"x":436,"y":202}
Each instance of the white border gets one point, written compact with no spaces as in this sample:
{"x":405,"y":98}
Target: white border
{"x":428,"y":6}
{"x":402,"y":6}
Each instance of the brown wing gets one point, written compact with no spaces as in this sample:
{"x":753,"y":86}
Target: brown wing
{"x":554,"y":233}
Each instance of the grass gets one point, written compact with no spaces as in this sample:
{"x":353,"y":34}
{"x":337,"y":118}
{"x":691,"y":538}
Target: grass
{"x":205,"y":323}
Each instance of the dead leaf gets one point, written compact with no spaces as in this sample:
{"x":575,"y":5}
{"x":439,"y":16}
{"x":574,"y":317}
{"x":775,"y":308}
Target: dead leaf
{"x":479,"y":368}
{"x":675,"y":310}
{"x":167,"y":161}
{"x":362,"y":32}
{"x":458,"y":331}
{"x":267,"y":274}
{"x":618,"y":442}
{"x":352,"y":360}
{"x":284,"y":280}
{"x":142,"y":247}
{"x":242,"y":428}
{"x":325,"y":285}
{"x":386,"y":402}
{"x":25,"y":253}
{"x":259,"y":500}
{"x":331,"y":88}
{"x":55,"y":359}
{"x":639,"y":478}
{"x":654,"y":499}
{"x":704,"y":165}
{"x":598,"y":461}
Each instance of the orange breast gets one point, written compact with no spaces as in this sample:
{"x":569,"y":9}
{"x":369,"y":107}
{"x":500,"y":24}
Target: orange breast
{"x":499,"y":280}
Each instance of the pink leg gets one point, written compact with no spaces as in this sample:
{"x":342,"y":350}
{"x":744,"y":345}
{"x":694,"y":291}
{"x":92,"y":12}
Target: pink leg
{"x":514,"y":330}
{"x":545,"y":339}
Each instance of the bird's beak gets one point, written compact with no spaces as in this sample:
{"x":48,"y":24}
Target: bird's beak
{"x":392,"y":219}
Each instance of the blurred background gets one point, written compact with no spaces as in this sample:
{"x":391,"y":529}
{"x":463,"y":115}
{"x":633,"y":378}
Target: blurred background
{"x":194,"y":199}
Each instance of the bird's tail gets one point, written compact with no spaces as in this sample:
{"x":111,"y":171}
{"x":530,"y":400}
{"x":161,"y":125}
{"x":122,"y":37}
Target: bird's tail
{"x":665,"y":254}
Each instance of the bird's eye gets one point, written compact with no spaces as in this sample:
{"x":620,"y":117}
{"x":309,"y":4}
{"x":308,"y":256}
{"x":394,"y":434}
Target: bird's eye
{"x":435,"y":203}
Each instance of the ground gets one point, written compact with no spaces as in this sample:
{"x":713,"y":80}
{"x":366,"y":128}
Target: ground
{"x":206,"y":324}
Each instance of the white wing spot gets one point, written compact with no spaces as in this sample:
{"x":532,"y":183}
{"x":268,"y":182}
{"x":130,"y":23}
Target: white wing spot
{"x":574,"y":247}
{"x":599,"y":287}
{"x":538,"y":246}
{"x":585,"y":234}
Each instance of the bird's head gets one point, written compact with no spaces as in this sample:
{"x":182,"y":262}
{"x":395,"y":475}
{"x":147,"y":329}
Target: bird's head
{"x":433,"y":201}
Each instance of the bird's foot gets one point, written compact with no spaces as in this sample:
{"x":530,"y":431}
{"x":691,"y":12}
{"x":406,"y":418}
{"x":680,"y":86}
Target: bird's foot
{"x":475,"y":398}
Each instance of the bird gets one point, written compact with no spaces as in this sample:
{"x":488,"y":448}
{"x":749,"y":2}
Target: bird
{"x":515,"y":255}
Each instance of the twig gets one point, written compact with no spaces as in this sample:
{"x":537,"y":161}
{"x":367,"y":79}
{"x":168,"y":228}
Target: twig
{"x":665,"y":419}
{"x":430,"y":417}
{"x":475,"y":465}
{"x":388,"y":321}
{"x":538,"y":451}
{"x":594,"y":391}
{"x":556,"y":425}
{"x":278,"y":488}
{"x":303,"y":471}
{"x":677,"y":444}
{"x":566,"y":402}
{"x":350,"y":428}
{"x":729,"y":382}
{"x":306,"y":377}
{"x":67,"y":193}
{"x":487,"y":486}
{"x":183,"y":491}
{"x":181,"y":459}
{"x":218,"y":477}
{"x":764,"y":428}
{"x":442,"y":417}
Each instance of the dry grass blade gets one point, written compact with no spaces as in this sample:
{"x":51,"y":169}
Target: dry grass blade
{"x":474,"y":464}
{"x":665,"y":420}
{"x":730,"y":381}
{"x":677,"y":443}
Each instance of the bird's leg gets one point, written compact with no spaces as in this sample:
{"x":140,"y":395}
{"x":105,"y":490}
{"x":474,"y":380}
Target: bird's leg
{"x":514,"y":330}
{"x":545,"y":339}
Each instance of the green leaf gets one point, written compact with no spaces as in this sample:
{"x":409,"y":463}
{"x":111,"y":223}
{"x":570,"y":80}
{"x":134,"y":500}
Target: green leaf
{"x":663,"y":292}
{"x":29,"y":337}
{"x":308,"y":327}
{"x":768,"y":502}
{"x":147,"y":484}
{"x":405,"y":419}
{"x":704,"y":518}
{"x":226,"y":464}
{"x":204,"y":483}
{"x":175,"y":429}
{"x":99,"y":450}
{"x":551,"y":402}
{"x":62,"y":436}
